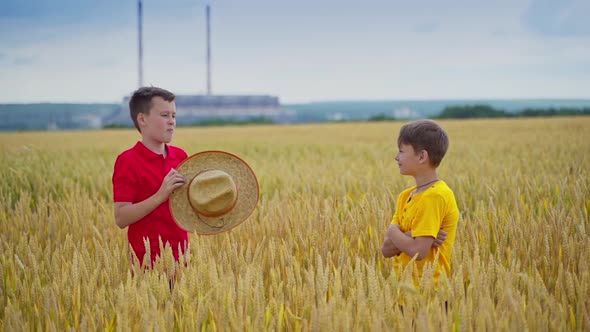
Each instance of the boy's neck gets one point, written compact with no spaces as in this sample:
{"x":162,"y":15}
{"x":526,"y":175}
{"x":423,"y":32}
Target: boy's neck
{"x":425,"y":178}
{"x":159,"y":148}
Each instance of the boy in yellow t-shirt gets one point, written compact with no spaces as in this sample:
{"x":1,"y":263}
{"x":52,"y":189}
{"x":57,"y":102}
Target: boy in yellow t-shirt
{"x":426,"y":208}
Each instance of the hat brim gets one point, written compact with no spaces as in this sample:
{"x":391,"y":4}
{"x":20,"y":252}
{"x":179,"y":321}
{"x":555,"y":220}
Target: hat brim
{"x":246,"y":185}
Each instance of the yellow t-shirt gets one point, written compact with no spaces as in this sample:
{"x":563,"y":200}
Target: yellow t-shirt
{"x":424,"y":214}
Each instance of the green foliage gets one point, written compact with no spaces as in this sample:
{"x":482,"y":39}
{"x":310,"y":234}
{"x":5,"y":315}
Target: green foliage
{"x":117,"y":126}
{"x":381,"y":117}
{"x":211,"y":122}
{"x":485,"y":111}
{"x":228,"y":122}
{"x":472,"y":111}
{"x":49,"y":108}
{"x":555,"y":111}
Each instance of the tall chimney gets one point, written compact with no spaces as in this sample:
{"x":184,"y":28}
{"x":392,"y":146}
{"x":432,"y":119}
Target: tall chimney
{"x":208,"y":51}
{"x":139,"y":44}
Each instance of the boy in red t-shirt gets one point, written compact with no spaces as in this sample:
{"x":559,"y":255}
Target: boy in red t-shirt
{"x":145,"y":175}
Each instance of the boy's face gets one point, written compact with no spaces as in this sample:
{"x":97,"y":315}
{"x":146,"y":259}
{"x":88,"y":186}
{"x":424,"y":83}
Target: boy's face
{"x":407,"y":160}
{"x":158,"y":125}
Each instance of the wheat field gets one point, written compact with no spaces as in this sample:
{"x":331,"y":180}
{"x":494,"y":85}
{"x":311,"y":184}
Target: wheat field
{"x":308,"y":259}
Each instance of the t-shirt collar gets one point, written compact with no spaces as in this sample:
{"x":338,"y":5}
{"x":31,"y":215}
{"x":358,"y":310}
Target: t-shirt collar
{"x":149,"y":154}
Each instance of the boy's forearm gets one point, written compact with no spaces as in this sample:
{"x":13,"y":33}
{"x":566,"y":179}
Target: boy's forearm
{"x":128,"y":214}
{"x":407,"y":244}
{"x":389,"y":249}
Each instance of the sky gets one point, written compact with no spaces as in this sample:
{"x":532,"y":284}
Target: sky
{"x":301,"y":51}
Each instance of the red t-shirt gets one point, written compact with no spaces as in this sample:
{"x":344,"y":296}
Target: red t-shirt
{"x":138,"y":174}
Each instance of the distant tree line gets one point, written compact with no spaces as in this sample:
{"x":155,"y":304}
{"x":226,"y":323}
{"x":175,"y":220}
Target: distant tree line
{"x":484,"y":111}
{"x":229,"y":122}
{"x":381,"y":117}
{"x":55,"y":108}
{"x":209,"y":122}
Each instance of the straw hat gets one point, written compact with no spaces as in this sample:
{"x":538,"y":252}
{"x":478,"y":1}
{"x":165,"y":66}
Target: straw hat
{"x":221,"y":192}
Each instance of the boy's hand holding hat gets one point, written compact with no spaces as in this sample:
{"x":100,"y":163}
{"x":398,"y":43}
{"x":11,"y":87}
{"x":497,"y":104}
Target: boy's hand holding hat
{"x":221,"y":192}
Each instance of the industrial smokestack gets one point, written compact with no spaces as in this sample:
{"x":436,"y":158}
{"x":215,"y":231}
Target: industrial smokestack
{"x":208,"y":51}
{"x":139,"y":44}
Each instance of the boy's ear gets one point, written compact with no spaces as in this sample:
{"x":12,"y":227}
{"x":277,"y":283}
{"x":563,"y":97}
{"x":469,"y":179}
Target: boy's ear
{"x":140,"y":119}
{"x":423,"y":156}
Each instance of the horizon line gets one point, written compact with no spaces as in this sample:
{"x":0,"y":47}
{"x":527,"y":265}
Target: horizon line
{"x":345,"y":100}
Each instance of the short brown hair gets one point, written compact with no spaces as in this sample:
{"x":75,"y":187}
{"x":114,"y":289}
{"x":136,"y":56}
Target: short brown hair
{"x":425,"y":135}
{"x":141,"y":101}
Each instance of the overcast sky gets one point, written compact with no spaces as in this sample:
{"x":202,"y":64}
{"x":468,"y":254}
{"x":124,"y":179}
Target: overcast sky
{"x":86,"y":51}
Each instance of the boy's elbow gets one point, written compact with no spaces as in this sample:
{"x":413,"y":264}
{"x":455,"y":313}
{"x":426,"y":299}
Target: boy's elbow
{"x":386,"y":252}
{"x":421,"y":254}
{"x":418,"y":253}
{"x":119,"y":223}
{"x":388,"y":249}
{"x":119,"y":215}
{"x":420,"y":248}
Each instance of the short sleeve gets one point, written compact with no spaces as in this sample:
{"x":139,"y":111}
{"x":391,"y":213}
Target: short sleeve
{"x":183,"y":154}
{"x":395,"y":219}
{"x":178,"y":156}
{"x":124,"y":180}
{"x":428,"y":216}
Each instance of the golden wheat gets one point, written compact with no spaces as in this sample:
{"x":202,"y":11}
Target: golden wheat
{"x":309,"y":257}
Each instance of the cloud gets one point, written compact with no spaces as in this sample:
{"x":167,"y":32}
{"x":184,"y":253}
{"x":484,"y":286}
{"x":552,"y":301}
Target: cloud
{"x":105,"y":62}
{"x":558,"y":18}
{"x":17,"y":60}
{"x":427,"y":27}
{"x":25,"y":60}
{"x":62,"y":10}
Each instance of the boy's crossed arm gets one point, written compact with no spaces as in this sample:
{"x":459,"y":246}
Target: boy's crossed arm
{"x":396,"y":242}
